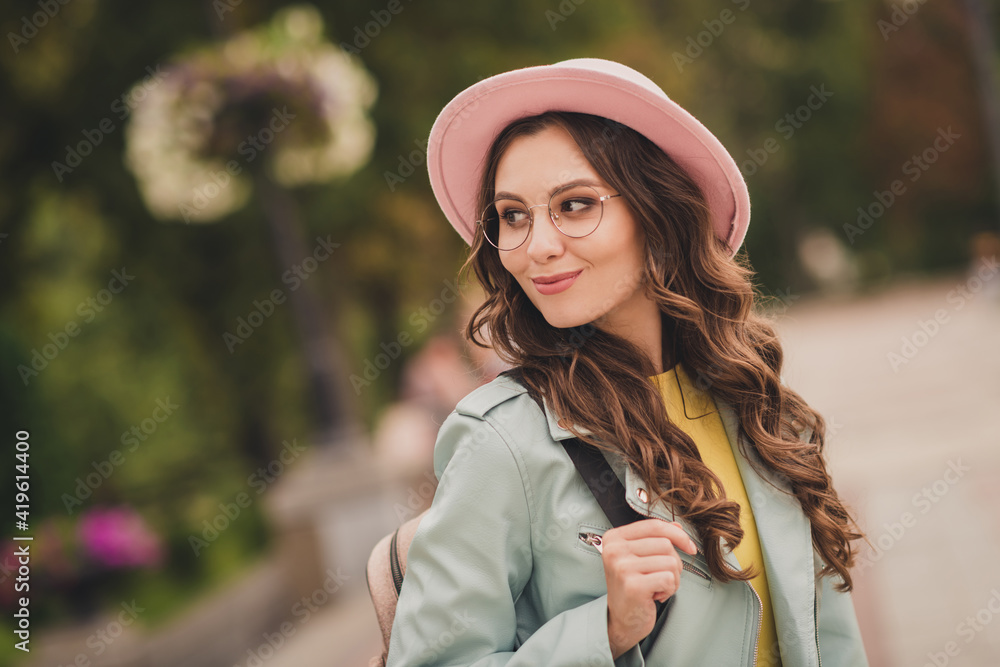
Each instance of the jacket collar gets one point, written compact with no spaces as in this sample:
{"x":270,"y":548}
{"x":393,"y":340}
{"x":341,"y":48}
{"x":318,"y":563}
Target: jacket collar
{"x":557,"y":431}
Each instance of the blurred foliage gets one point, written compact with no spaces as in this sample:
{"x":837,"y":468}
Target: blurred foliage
{"x":161,"y":337}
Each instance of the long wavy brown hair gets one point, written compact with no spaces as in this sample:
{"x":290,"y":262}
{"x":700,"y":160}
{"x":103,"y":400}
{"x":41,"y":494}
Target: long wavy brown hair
{"x":599,"y":381}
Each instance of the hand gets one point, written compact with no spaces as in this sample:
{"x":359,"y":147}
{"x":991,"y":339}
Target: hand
{"x":641,"y":567}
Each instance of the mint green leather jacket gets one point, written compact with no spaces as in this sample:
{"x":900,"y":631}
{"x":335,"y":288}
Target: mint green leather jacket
{"x":497,"y":573}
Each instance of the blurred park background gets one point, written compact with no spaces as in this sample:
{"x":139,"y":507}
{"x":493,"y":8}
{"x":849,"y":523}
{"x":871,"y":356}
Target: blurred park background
{"x":230,"y":322}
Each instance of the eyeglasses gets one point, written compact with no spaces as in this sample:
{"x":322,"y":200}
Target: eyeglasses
{"x":576,"y":211}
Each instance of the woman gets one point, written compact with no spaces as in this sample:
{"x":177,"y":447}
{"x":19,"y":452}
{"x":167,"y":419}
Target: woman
{"x":603,"y":220}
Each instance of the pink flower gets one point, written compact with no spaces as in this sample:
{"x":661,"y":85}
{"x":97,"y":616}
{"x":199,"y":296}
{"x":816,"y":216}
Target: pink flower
{"x":118,"y":537}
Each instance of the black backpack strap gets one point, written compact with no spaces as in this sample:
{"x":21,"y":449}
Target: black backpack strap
{"x":595,"y":470}
{"x":603,"y":482}
{"x":609,"y":493}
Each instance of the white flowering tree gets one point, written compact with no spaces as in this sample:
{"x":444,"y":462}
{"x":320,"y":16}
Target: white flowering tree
{"x":247,"y":118}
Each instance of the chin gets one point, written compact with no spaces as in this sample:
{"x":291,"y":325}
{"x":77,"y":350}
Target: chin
{"x":564,"y":320}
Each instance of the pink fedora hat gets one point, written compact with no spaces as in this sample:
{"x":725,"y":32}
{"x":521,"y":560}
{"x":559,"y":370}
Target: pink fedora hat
{"x":467,"y":126}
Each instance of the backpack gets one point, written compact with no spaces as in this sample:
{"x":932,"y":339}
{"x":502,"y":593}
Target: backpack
{"x":385,"y":571}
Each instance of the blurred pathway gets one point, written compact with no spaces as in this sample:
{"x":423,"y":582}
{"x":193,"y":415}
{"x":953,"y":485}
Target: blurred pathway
{"x":342,"y":635}
{"x":916,"y":452}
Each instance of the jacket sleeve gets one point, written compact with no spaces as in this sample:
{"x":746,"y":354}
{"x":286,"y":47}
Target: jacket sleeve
{"x":469,"y":562}
{"x":839,"y":636}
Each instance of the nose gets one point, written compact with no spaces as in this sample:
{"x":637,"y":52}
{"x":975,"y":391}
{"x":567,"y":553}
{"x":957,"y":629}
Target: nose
{"x":545,"y":241}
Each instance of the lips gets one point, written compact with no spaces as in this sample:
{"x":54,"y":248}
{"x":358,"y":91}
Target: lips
{"x":556,"y":283}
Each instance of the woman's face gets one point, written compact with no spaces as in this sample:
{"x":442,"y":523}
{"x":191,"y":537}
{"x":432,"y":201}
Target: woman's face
{"x":573,"y":281}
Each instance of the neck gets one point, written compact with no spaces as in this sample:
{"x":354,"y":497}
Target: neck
{"x":646,"y":331}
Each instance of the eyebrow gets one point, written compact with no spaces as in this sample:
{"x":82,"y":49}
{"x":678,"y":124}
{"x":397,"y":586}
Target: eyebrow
{"x":570,"y":184}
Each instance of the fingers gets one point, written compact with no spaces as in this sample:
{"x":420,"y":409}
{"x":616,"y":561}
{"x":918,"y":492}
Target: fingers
{"x":640,"y":531}
{"x":641,"y":566}
{"x":632,"y":562}
{"x":626,"y":566}
{"x":649,"y":564}
{"x":651,"y":546}
{"x":655,"y":585}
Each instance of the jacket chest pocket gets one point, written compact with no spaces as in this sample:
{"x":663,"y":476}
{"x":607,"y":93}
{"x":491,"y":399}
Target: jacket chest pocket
{"x":590,"y":538}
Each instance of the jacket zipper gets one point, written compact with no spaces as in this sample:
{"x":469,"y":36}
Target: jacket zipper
{"x":594,"y":540}
{"x":816,"y":625}
{"x":691,"y":568}
{"x":760,"y":621}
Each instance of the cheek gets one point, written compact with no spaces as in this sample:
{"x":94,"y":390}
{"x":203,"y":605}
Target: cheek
{"x":633,"y":246}
{"x":510,"y":262}
{"x":629,"y":264}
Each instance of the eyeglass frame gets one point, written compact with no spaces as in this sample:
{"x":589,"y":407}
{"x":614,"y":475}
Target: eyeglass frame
{"x":552,"y":217}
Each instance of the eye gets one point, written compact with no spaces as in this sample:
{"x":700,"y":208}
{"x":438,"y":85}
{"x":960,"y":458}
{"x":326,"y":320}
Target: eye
{"x":513,"y":216}
{"x":575,"y":206}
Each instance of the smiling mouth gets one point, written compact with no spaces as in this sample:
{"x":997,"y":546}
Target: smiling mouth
{"x":554,"y":284}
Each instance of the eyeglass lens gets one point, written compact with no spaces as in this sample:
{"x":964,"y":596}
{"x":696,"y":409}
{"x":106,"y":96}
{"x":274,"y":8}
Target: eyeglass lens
{"x":576,"y":212}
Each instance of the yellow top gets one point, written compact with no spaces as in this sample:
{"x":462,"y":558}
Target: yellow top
{"x":699,"y":418}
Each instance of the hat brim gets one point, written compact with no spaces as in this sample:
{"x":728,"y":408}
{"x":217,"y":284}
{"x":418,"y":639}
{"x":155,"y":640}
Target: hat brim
{"x":466,"y":128}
